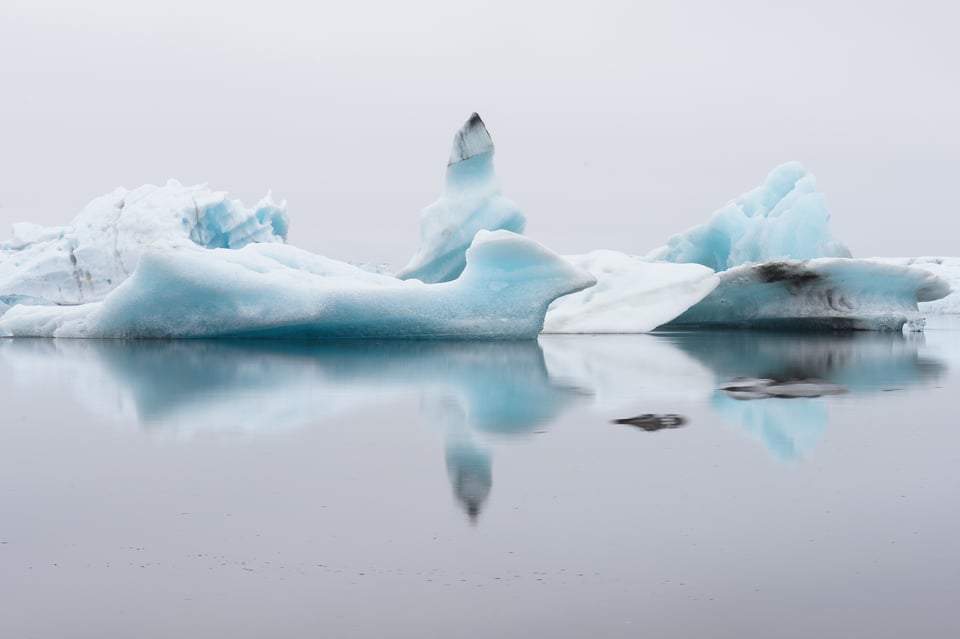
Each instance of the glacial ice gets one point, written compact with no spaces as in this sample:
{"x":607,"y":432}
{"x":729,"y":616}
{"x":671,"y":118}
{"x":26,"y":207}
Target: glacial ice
{"x":177,"y":261}
{"x":824,"y":293}
{"x":780,"y":267}
{"x":946,"y":268}
{"x":98,"y":250}
{"x":785,"y":218}
{"x":471,"y":202}
{"x":631,"y":294}
{"x":182,"y":290}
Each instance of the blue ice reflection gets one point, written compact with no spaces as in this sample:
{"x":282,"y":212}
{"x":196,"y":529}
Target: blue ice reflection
{"x":653,"y":374}
{"x":861,"y":363}
{"x":470,"y":391}
{"x":180,"y":388}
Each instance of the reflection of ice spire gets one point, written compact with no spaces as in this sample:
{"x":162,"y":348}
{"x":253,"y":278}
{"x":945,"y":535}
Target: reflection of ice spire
{"x":471,"y":476}
{"x":469,"y":466}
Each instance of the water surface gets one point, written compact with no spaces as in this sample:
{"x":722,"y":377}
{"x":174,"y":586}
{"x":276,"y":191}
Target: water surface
{"x":411,"y":489}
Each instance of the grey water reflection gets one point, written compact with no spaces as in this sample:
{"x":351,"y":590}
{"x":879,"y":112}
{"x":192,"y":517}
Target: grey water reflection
{"x":789,"y":428}
{"x":860,"y":363}
{"x":184,"y":388}
{"x":473,"y":392}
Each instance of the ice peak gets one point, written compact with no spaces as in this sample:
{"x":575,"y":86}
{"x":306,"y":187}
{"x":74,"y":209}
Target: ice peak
{"x":471,"y":140}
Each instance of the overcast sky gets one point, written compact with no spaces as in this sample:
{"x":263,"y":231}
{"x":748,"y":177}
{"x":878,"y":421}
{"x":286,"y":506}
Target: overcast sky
{"x":616,"y":123}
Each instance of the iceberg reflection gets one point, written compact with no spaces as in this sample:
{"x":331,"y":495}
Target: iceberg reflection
{"x":183,"y":388}
{"x":791,"y":427}
{"x":653,"y":374}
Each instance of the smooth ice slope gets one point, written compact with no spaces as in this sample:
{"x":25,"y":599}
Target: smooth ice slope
{"x":826,"y":293}
{"x":946,"y":268}
{"x":273,"y":290}
{"x":786,"y":218}
{"x":98,"y":250}
{"x":631,"y":294}
{"x":471,"y":201}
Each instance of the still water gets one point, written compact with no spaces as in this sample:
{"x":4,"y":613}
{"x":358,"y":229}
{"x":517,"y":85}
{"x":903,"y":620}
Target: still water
{"x":273,"y":489}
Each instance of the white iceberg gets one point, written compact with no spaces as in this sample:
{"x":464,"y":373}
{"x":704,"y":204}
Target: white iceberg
{"x":98,"y":250}
{"x":785,"y":218}
{"x":274,"y":290}
{"x":471,"y":202}
{"x":631,"y":294}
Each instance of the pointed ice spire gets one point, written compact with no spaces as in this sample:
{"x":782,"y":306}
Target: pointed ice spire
{"x":472,"y":139}
{"x":471,"y":201}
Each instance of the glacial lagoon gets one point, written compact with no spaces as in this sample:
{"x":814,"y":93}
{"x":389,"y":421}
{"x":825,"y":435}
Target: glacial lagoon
{"x":715,"y":483}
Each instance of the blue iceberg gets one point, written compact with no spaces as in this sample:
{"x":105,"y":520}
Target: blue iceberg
{"x":85,"y":260}
{"x":182,"y":290}
{"x":785,"y":218}
{"x":471,"y":202}
{"x":780,"y":268}
{"x":631,"y":296}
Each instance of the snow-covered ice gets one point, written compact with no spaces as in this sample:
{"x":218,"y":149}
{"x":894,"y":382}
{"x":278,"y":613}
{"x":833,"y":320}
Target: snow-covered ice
{"x":275,"y":290}
{"x":631,"y":294}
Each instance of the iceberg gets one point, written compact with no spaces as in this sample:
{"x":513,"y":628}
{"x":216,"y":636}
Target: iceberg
{"x":182,"y":290}
{"x":780,"y":268}
{"x":471,"y":202}
{"x":946,"y":268}
{"x":187,"y":262}
{"x":85,"y":260}
{"x":631,"y":294}
{"x":818,"y":294}
{"x":785,"y":218}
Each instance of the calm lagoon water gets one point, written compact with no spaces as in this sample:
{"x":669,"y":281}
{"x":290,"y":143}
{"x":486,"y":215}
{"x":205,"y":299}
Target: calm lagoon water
{"x":233,"y":489}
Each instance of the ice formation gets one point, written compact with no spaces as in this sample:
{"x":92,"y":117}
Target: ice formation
{"x":786,"y":218}
{"x":471,"y":202}
{"x":946,"y":268}
{"x":98,"y":250}
{"x":825,"y":293}
{"x":780,"y":267}
{"x":276,"y":290}
{"x":631,"y":294}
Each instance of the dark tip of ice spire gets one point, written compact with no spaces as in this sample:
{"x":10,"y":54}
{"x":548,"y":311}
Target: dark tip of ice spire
{"x":472,"y":139}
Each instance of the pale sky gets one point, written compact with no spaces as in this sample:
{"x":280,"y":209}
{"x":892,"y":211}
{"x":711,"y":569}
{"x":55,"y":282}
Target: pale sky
{"x":617,"y":124}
